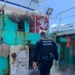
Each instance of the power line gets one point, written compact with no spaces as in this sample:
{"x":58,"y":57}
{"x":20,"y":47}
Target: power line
{"x":66,"y":10}
{"x":68,"y":17}
{"x":29,"y":6}
{"x":62,"y":12}
{"x":2,"y":8}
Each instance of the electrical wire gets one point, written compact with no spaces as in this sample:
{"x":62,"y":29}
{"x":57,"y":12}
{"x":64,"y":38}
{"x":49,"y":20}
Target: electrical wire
{"x":2,"y":8}
{"x":29,"y":6}
{"x":68,"y":17}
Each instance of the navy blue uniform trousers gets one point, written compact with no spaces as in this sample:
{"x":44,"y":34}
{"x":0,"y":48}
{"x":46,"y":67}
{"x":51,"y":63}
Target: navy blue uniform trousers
{"x":45,"y":69}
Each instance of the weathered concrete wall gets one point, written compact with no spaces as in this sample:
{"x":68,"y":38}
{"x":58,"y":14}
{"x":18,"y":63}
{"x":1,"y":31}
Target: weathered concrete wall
{"x":19,"y":65}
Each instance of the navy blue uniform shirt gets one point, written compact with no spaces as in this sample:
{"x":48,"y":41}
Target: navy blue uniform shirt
{"x":44,"y":45}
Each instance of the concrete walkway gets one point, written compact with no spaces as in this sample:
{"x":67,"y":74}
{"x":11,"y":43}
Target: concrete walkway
{"x":66,"y":71}
{"x":54,"y":71}
{"x":70,"y":70}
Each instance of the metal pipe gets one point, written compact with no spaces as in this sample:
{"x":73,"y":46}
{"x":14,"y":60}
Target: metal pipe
{"x":62,"y":12}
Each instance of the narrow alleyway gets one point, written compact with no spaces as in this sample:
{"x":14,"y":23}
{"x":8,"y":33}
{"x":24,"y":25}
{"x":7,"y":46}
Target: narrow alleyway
{"x":54,"y":72}
{"x":67,"y":71}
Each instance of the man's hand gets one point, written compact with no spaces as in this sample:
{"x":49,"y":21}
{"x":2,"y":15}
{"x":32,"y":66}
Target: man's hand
{"x":56,"y":63}
{"x":34,"y":65}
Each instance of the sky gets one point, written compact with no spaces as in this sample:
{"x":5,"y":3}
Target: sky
{"x":58,"y":7}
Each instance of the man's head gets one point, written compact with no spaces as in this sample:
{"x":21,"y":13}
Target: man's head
{"x":43,"y":34}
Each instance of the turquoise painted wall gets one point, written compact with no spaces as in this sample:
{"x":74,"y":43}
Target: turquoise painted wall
{"x":27,"y":27}
{"x":63,"y":39}
{"x":17,"y":38}
{"x":8,"y":24}
{"x":13,"y":37}
{"x":9,"y":30}
{"x":3,"y":64}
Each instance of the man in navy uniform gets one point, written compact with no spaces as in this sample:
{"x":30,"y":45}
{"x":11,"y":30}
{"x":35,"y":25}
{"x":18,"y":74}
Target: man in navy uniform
{"x":46,"y":51}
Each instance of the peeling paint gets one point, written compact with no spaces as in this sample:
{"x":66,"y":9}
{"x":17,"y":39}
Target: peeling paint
{"x":16,"y":38}
{"x":21,"y":64}
{"x":24,"y":38}
{"x":0,"y":22}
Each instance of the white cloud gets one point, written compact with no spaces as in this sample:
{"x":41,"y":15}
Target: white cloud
{"x":62,"y":24}
{"x":53,"y":25}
